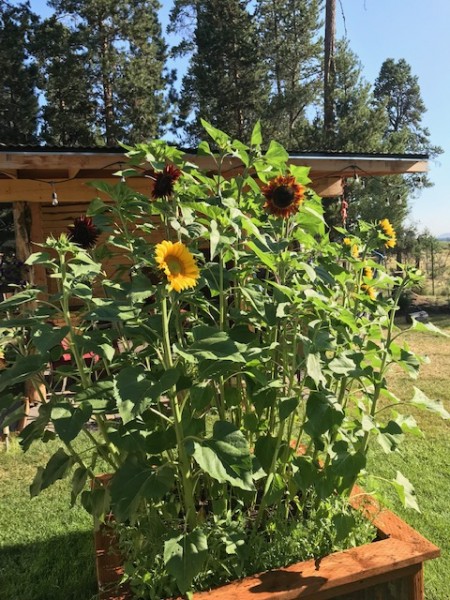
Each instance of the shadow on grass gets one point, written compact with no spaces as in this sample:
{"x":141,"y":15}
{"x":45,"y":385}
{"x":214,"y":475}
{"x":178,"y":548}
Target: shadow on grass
{"x":61,"y":568}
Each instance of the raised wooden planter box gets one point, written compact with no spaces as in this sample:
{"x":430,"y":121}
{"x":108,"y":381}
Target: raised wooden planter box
{"x":390,"y":568}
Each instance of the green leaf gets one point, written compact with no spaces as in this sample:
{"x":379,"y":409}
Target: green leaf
{"x":225,"y":456}
{"x":212,"y":344}
{"x":276,"y":154}
{"x":79,"y":480}
{"x":46,"y":337}
{"x":100,"y":396}
{"x":323,"y":413}
{"x":265,"y":449}
{"x":134,"y":482}
{"x":390,"y":437}
{"x":202,"y":395}
{"x":185,"y":556}
{"x":214,"y":238}
{"x":256,"y":137}
{"x":69,"y":421}
{"x":287,"y":407}
{"x":135,"y":392}
{"x":96,"y":502}
{"x":345,"y":464}
{"x":314,"y":368}
{"x":342,"y":365}
{"x":220,"y":137}
{"x":22,"y":370}
{"x":57,"y":467}
{"x":428,"y":328}
{"x":264,"y":256}
{"x":306,"y":473}
{"x":405,"y":491}
{"x":276,"y":490}
{"x":422,"y":401}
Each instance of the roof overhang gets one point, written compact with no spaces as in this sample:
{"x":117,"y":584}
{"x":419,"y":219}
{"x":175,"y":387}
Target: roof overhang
{"x":27,"y":174}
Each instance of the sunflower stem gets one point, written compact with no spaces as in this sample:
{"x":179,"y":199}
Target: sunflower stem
{"x":183,"y":460}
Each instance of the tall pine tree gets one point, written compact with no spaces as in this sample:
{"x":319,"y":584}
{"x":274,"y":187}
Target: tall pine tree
{"x":226,"y":83}
{"x":289,"y":31}
{"x":18,"y":75}
{"x":69,"y":112}
{"x":126,"y":56}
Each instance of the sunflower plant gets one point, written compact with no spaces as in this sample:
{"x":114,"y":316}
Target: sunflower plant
{"x":223,"y":360}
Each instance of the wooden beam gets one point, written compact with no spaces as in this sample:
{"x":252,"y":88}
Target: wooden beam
{"x":75,"y":190}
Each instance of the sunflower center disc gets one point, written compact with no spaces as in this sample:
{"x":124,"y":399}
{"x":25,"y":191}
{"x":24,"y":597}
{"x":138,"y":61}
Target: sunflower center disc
{"x":283,"y":196}
{"x":175,"y":266}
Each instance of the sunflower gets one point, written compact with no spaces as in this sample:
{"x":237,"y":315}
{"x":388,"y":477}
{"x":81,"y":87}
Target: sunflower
{"x":284,"y":196}
{"x":369,"y":290}
{"x":164,"y":182}
{"x":368,"y":272}
{"x":83,"y":232}
{"x":178,"y":264}
{"x":388,"y":231}
{"x":350,"y":245}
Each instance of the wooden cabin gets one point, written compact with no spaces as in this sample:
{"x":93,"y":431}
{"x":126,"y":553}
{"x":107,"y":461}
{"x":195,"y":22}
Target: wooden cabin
{"x":31,"y":177}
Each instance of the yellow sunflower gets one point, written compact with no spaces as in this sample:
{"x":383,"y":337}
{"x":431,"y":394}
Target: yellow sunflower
{"x":368,"y":272}
{"x":178,"y":265}
{"x":388,"y":231}
{"x":354,"y":248}
{"x":284,"y":196}
{"x":369,"y":290}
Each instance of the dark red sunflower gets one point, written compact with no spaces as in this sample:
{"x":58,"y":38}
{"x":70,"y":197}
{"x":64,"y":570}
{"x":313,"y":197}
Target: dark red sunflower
{"x":284,"y":196}
{"x":83,"y":232}
{"x":164,"y":181}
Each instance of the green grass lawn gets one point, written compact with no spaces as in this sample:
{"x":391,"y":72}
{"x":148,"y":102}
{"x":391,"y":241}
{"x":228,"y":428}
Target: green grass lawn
{"x":425,"y":460}
{"x":46,"y":550}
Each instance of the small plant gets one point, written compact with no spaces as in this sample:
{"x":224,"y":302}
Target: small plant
{"x":242,"y":354}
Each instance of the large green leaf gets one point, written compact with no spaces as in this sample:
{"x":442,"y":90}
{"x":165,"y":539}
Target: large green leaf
{"x":135,"y":482}
{"x":135,"y":391}
{"x":265,"y":449}
{"x":220,"y":137}
{"x":22,"y":370}
{"x":323,"y":413}
{"x":184,"y":557}
{"x":69,"y":420}
{"x":225,"y":456}
{"x":212,"y":344}
{"x":79,"y":480}
{"x":57,"y":467}
{"x":405,"y":491}
{"x":421,"y":400}
{"x":314,"y":368}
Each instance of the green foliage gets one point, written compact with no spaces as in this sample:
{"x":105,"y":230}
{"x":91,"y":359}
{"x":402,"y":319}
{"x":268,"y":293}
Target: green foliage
{"x":244,"y":358}
{"x":120,"y":55}
{"x":226,"y":79}
{"x":18,"y":77}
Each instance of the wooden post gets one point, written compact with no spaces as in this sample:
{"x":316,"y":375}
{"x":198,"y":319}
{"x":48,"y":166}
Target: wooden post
{"x":22,"y":226}
{"x":417,"y":584}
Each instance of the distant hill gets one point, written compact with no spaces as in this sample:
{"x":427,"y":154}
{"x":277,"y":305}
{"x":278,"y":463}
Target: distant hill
{"x":444,"y":237}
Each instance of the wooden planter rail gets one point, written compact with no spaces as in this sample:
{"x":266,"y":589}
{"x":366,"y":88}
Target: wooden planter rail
{"x":390,"y":568}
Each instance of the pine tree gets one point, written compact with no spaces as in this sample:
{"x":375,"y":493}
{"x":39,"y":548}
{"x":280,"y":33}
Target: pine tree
{"x":18,"y":75}
{"x":289,"y":31}
{"x":226,"y":83}
{"x":68,"y":116}
{"x":397,"y":90}
{"x":126,"y":56}
{"x":358,"y":125}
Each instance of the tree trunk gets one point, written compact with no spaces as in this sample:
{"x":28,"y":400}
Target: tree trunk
{"x":329,"y":67}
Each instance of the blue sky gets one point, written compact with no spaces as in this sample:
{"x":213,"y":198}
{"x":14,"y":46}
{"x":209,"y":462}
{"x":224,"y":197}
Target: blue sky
{"x":417,"y":32}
